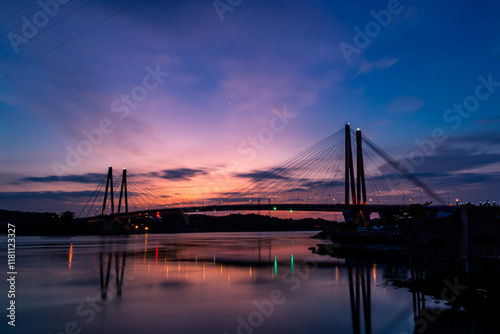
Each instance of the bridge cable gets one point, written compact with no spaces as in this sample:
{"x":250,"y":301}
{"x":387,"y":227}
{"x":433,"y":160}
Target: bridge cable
{"x":94,"y":194}
{"x":403,"y":170}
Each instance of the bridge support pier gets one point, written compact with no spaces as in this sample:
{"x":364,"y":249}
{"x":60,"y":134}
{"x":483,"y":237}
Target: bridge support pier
{"x":357,"y":217}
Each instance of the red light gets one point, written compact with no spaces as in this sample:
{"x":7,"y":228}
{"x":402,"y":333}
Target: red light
{"x":158,"y":214}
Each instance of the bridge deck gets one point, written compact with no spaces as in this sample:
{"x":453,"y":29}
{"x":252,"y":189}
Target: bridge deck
{"x":281,"y":207}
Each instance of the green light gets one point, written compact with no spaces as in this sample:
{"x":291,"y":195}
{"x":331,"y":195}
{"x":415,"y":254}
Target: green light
{"x":291,"y":210}
{"x":275,"y":266}
{"x":274,"y":208}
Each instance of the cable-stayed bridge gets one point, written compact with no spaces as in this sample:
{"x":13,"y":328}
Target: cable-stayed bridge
{"x":345,"y":172}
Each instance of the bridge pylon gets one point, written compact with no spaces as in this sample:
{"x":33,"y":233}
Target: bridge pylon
{"x":114,"y":223}
{"x":109,"y":186}
{"x":349,"y":167}
{"x":357,"y":189}
{"x":123,"y":192}
{"x":360,"y":169}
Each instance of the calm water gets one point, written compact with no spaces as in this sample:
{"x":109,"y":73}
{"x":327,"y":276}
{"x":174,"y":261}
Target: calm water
{"x":200,"y":283}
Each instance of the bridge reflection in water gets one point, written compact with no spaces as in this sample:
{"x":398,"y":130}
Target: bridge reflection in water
{"x":259,"y":262}
{"x":206,"y":282}
{"x":228,"y":273}
{"x":105,"y":270}
{"x":358,"y":276}
{"x":360,"y":296}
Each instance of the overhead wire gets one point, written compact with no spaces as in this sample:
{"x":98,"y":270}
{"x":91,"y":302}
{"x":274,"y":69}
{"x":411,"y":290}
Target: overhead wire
{"x":20,"y":9}
{"x":48,"y":28}
{"x":69,"y":40}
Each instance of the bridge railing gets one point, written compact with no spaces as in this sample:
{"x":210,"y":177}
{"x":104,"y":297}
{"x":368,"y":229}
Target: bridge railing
{"x":482,"y":250}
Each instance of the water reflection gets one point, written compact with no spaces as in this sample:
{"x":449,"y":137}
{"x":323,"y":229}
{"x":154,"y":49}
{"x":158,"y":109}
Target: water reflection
{"x":359,"y":279}
{"x":205,"y":282}
{"x":186,"y":257}
{"x":105,"y":265}
{"x":70,"y":255}
{"x":418,"y":297}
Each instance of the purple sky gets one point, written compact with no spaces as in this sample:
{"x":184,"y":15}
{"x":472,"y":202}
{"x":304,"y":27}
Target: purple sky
{"x":176,"y":90}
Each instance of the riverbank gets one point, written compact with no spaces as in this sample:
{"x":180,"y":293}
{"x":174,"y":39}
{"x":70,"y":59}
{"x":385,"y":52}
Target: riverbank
{"x":47,"y":224}
{"x":361,"y":242}
{"x":462,"y":290}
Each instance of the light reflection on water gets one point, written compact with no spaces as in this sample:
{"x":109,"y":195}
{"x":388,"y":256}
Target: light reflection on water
{"x":210,"y":283}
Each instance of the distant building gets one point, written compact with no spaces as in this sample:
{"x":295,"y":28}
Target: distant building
{"x":483,"y":232}
{"x":68,"y":215}
{"x":473,"y":233}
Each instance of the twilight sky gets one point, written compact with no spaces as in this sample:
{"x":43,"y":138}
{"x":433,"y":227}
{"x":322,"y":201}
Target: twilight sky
{"x":197,"y":95}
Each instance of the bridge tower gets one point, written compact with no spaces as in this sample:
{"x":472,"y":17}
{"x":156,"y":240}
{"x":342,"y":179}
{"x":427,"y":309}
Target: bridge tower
{"x":109,"y":188}
{"x":357,"y":189}
{"x":109,"y":224}
{"x":109,"y":185}
{"x":123,"y":191}
{"x":360,"y":169}
{"x":349,"y":167}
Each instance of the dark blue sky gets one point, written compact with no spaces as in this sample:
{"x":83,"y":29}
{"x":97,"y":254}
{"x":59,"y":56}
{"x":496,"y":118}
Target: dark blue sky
{"x":177,"y":88}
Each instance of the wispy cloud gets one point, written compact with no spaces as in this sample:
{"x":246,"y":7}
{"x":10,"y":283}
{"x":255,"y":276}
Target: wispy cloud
{"x":179,"y":174}
{"x":406,"y":105}
{"x":455,"y":158}
{"x":489,"y":120}
{"x":322,"y":184}
{"x":53,"y":195}
{"x":259,"y":175}
{"x":483,"y":139}
{"x":90,"y":178}
{"x":381,"y":64}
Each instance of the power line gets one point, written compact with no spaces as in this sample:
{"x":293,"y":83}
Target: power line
{"x":41,"y":32}
{"x":69,"y":40}
{"x":20,"y":9}
{"x":18,"y":23}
